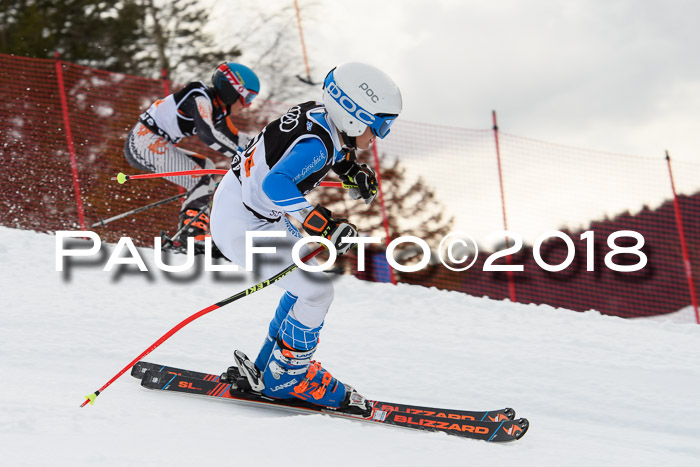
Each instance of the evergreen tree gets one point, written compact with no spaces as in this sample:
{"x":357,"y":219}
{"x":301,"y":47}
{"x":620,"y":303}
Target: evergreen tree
{"x":138,"y":37}
{"x":101,"y":34}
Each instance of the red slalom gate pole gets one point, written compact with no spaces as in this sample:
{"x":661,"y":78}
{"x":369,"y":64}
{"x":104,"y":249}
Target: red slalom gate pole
{"x":69,"y":140}
{"x":385,"y":217}
{"x":90,"y":399}
{"x":122,"y":178}
{"x":511,"y":282}
{"x":684,"y":244}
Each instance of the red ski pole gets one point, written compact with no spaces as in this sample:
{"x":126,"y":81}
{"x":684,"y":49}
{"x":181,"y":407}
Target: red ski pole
{"x":90,"y":399}
{"x":122,"y":178}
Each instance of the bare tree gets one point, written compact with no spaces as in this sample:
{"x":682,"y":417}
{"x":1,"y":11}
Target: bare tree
{"x":178,"y":41}
{"x":270,"y":39}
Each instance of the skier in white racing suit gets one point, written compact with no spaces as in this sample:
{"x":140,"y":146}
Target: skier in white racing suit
{"x":283,"y":163}
{"x":195,"y":109}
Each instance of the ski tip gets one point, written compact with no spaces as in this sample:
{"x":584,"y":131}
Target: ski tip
{"x":523,"y":424}
{"x":510,"y":430}
{"x":121,"y":178}
{"x":140,"y":368}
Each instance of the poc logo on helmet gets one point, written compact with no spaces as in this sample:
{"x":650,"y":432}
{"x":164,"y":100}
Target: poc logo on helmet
{"x":349,"y":105}
{"x":365,"y":87}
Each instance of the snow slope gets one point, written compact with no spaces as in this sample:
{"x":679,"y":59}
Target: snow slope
{"x":598,"y":390}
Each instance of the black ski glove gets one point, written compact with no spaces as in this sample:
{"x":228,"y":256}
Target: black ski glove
{"x":364,"y":178}
{"x":319,"y":222}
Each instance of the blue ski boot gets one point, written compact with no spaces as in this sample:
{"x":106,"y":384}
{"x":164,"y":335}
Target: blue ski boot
{"x":290,"y":372}
{"x":286,"y":303}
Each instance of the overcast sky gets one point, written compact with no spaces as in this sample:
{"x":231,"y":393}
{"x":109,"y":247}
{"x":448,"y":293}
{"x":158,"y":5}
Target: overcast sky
{"x":616,"y":75}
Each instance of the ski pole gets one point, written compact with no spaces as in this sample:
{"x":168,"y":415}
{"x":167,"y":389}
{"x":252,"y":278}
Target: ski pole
{"x":122,"y":178}
{"x":104,"y":222}
{"x":91,"y":398}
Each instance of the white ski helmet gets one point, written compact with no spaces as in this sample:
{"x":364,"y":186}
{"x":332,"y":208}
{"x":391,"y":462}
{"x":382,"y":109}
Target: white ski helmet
{"x":358,"y":95}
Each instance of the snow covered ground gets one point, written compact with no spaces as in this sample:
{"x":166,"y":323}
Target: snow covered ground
{"x":597,"y":390}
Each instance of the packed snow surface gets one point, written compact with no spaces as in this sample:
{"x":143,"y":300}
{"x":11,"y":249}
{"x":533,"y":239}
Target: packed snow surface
{"x":597,"y":390}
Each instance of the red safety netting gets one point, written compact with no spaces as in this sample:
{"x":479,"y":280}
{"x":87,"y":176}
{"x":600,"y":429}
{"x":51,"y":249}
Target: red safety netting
{"x":62,"y":144}
{"x":553,"y":187}
{"x":101,"y":107}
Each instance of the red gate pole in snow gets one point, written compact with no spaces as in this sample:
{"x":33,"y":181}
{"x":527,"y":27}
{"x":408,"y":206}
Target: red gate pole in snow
{"x":511,"y":281}
{"x":69,"y":140}
{"x":385,"y":218}
{"x":684,"y":246}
